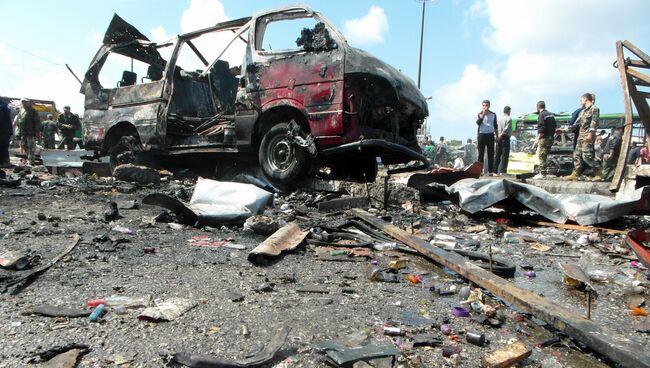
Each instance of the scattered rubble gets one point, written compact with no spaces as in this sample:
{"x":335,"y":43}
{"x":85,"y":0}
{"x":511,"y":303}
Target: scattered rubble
{"x":349,"y":283}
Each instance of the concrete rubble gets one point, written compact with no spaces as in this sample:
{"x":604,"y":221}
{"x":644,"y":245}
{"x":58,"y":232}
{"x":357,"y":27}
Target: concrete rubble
{"x":296,"y":285}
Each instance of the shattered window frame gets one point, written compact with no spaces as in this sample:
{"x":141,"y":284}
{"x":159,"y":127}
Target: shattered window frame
{"x":122,"y":50}
{"x":262,"y":23}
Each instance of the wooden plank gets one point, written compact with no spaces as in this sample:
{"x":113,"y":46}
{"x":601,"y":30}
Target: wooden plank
{"x":636,"y":63}
{"x":642,"y":108}
{"x":574,"y":227}
{"x":639,"y":76}
{"x":636,"y":51}
{"x":617,"y":348}
{"x":506,"y":356}
{"x":629,"y":119}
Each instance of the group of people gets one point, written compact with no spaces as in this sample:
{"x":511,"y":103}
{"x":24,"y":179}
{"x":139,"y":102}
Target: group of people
{"x":594,"y":156}
{"x":31,"y":130}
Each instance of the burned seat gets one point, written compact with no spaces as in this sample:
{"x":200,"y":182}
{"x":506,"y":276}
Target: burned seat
{"x":223,"y":86}
{"x":154,"y":73}
{"x":128,"y":79}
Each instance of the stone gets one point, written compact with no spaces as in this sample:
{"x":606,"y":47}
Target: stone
{"x":136,"y":174}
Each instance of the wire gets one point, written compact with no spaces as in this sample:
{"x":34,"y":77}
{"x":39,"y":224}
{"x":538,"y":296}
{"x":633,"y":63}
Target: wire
{"x":34,"y":55}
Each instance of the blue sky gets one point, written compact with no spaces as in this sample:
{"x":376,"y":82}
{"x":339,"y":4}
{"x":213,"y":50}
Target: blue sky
{"x":512,"y":52}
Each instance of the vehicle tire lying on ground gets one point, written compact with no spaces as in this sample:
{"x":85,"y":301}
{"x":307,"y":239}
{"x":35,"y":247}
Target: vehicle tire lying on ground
{"x":500,"y":266}
{"x":283,"y":162}
{"x":124,"y":152}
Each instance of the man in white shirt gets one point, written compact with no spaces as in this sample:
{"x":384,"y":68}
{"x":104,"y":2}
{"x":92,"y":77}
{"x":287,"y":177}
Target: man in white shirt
{"x":487,"y":128}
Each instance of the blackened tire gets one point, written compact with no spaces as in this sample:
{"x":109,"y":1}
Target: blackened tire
{"x":282,"y":162}
{"x":125,"y":151}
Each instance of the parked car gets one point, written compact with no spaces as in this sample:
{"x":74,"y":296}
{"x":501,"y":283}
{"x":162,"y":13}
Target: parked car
{"x":316,"y":107}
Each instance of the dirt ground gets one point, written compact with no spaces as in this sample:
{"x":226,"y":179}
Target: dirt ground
{"x":240,"y":305}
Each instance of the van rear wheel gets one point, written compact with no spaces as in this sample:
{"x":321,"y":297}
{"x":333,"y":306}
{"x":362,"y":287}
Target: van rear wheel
{"x":283,"y":162}
{"x":125,"y":151}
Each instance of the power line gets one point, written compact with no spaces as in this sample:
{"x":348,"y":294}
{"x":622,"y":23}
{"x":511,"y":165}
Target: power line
{"x":35,"y":55}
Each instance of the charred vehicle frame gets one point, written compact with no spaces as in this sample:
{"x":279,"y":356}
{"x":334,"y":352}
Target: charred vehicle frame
{"x":324,"y":109}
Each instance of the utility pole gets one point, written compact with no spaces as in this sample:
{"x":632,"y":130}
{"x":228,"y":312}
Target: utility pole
{"x":424,"y":6}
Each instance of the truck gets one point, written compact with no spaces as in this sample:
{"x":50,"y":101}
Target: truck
{"x":314,"y":107}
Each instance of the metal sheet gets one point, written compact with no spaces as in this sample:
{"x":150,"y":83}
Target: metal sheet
{"x":474,"y":195}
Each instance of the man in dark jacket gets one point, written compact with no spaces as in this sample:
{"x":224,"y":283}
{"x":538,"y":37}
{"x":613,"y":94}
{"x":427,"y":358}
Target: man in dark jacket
{"x":546,"y":126}
{"x":68,"y":125}
{"x":6,"y":131}
{"x":487,"y":129}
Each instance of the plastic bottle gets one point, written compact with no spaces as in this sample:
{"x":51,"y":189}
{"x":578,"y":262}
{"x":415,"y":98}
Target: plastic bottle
{"x":97,"y":312}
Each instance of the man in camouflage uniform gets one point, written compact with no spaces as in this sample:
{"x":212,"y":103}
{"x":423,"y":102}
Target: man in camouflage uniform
{"x":29,"y":124}
{"x":546,"y":126}
{"x":68,"y":125}
{"x":583,"y":155}
{"x":48,"y":129}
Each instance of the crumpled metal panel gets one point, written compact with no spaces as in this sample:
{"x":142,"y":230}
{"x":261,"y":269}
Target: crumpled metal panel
{"x":474,"y":195}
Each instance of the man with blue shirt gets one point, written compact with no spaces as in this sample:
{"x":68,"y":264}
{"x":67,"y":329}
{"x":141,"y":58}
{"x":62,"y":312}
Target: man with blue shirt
{"x":487,"y":128}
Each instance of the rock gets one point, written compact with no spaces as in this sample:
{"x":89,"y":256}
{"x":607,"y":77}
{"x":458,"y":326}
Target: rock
{"x":136,"y":174}
{"x":68,"y":359}
{"x":506,"y":356}
{"x":111,"y":212}
{"x":261,"y":225}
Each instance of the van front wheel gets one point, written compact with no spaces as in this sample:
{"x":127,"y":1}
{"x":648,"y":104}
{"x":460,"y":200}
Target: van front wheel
{"x":283,"y":162}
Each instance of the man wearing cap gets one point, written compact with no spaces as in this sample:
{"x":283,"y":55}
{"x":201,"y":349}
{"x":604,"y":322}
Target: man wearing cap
{"x":68,"y":125}
{"x":546,"y":126}
{"x":6,"y":131}
{"x":29,"y":124}
{"x":48,"y":129}
{"x":583,"y":155}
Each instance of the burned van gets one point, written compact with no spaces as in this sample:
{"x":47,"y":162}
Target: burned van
{"x":282,"y":86}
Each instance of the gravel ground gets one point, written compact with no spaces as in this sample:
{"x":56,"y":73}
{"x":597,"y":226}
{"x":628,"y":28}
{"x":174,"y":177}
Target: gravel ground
{"x":349,"y":302}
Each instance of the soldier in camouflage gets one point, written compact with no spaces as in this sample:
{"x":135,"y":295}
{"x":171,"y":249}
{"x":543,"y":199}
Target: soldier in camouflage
{"x":583,"y":155}
{"x":29,"y":124}
{"x":48,"y":129}
{"x":546,"y":126}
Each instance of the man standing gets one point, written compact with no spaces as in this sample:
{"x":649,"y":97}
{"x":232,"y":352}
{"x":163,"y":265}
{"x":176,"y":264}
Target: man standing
{"x":487,"y":127}
{"x":29,"y":124}
{"x":48,"y":129}
{"x":68,"y":125}
{"x":546,"y":126}
{"x":471,"y":153}
{"x":612,"y":152}
{"x":583,"y":155}
{"x":442,"y":153}
{"x":504,"y":132}
{"x":6,"y":131}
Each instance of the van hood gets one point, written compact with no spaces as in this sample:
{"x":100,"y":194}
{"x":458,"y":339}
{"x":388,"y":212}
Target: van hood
{"x":361,"y":62}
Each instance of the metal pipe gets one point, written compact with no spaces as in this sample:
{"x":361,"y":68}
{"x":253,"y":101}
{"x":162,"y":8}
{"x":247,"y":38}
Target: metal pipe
{"x":424,"y":4}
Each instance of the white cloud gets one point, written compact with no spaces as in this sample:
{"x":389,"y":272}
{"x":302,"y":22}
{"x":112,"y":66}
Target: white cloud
{"x":159,"y":34}
{"x":202,"y":14}
{"x":6,"y":58}
{"x":553,"y":50}
{"x":367,"y":30}
{"x":451,"y":101}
